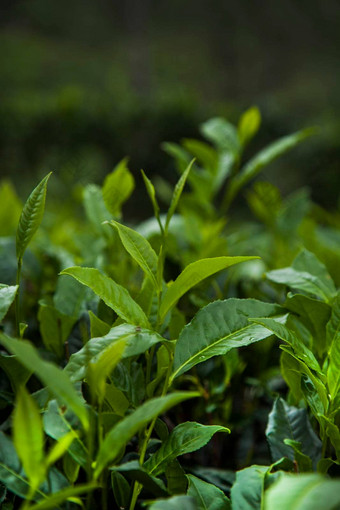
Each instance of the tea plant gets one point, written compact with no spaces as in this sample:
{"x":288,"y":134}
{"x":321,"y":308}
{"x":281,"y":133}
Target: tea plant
{"x":103,"y":372}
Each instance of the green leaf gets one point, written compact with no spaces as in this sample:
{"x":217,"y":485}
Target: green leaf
{"x":97,"y":326}
{"x":11,"y":473}
{"x":115,"y":296}
{"x":249,"y":124}
{"x":192,"y":275}
{"x":121,"y":489}
{"x":289,"y":422}
{"x":59,"y":497}
{"x":16,"y":373}
{"x":333,"y":340}
{"x":223,"y":134}
{"x":7,"y":296}
{"x":263,"y":158}
{"x":95,"y":209}
{"x":60,"y":447}
{"x":117,"y":187}
{"x":139,"y":249}
{"x":303,"y":492}
{"x":55,"y":328}
{"x":100,"y":368}
{"x":308,"y":274}
{"x":28,"y":437}
{"x":136,"y":472}
{"x":203,"y":152}
{"x":138,"y":340}
{"x":152,"y":195}
{"x":304,"y":462}
{"x":247,"y":491}
{"x":218,"y":328}
{"x":55,"y":379}
{"x":177,"y":482}
{"x":185,"y":438}
{"x":314,"y":314}
{"x":207,"y":495}
{"x":177,"y":194}
{"x":174,"y":503}
{"x":121,"y":433}
{"x":58,"y":423}
{"x":31,"y":217}
{"x":289,"y":336}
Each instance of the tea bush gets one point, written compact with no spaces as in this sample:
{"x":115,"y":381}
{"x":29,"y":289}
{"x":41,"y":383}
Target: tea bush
{"x":123,"y":384}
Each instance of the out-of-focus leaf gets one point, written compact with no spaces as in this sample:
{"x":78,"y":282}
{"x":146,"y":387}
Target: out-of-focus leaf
{"x":7,"y":295}
{"x":249,"y":124}
{"x":56,"y":380}
{"x":59,"y":497}
{"x":174,"y":503}
{"x":303,"y":492}
{"x":117,"y":187}
{"x":136,"y":472}
{"x":28,"y":437}
{"x":221,"y":133}
{"x":55,"y":328}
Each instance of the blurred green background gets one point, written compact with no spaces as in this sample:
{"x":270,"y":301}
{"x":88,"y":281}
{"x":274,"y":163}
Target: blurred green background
{"x":87,"y":82}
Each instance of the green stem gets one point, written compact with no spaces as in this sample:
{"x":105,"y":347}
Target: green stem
{"x":17,"y":304}
{"x":137,"y":487}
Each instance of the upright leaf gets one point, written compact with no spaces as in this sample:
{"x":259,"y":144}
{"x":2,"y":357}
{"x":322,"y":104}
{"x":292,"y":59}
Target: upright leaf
{"x":139,"y":249}
{"x":121,"y":433}
{"x":28,"y":437}
{"x":117,"y":188}
{"x":222,"y":134}
{"x":185,"y":438}
{"x":289,"y":422}
{"x":263,"y":158}
{"x":31,"y":217}
{"x":7,"y":296}
{"x":177,"y":194}
{"x":192,"y":275}
{"x":114,"y":295}
{"x":207,"y":495}
{"x":249,"y":124}
{"x":152,"y":195}
{"x":55,"y":379}
{"x":218,"y":328}
{"x":247,"y":491}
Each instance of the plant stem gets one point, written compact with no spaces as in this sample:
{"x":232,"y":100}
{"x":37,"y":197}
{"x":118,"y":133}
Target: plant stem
{"x":17,"y":304}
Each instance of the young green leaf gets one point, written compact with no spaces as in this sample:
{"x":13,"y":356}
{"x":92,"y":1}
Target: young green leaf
{"x":139,"y":249}
{"x":56,"y":499}
{"x":263,"y":158}
{"x":136,"y":472}
{"x":192,"y":275}
{"x":174,"y":503}
{"x":249,"y":124}
{"x":100,"y":368}
{"x":308,"y":274}
{"x":303,"y":492}
{"x":218,"y":328}
{"x":137,"y":342}
{"x":60,"y":447}
{"x":28,"y":437}
{"x":289,"y":422}
{"x":333,"y":339}
{"x":152,"y":195}
{"x":7,"y":296}
{"x":114,"y":295}
{"x":177,"y":194}
{"x":55,"y":379}
{"x":31,"y":217}
{"x":222,"y":134}
{"x":117,"y":188}
{"x":185,"y":438}
{"x":121,"y":433}
{"x":207,"y":495}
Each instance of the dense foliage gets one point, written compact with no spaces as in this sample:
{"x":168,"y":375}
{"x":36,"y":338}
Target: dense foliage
{"x":122,"y":379}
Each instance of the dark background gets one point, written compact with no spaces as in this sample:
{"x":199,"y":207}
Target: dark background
{"x":84,"y":83}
